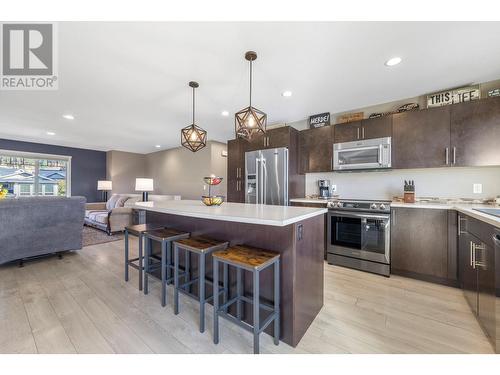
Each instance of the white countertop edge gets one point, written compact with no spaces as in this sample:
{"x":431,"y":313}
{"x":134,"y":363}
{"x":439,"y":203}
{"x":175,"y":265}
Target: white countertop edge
{"x":310,"y":200}
{"x":237,"y":219}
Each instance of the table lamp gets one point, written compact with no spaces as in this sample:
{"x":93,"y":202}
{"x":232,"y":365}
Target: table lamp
{"x":145,"y":185}
{"x":104,"y":186}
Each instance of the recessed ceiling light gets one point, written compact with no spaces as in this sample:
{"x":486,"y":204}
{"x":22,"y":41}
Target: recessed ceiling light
{"x":158,"y":146}
{"x":225,"y":113}
{"x":51,"y":133}
{"x":69,"y":117}
{"x":286,"y":94}
{"x":393,"y":61}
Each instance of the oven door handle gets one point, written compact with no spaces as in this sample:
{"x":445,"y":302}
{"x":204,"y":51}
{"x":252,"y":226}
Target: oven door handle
{"x":361,"y":216}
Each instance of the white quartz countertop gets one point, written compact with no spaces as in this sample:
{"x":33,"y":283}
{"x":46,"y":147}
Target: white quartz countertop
{"x":465,"y":208}
{"x":237,"y":212}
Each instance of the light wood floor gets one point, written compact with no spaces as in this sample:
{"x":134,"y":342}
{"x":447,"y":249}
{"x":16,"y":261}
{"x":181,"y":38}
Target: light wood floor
{"x":81,"y":304}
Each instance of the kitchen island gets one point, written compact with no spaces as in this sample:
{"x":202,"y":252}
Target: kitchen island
{"x":297,"y":233}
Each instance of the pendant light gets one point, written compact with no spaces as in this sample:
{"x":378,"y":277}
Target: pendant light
{"x":193,"y":137}
{"x":250,"y":120}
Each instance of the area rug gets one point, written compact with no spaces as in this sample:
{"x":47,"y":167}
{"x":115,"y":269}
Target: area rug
{"x":92,"y":236}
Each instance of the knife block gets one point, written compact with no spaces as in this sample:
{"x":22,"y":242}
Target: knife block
{"x":409,"y":197}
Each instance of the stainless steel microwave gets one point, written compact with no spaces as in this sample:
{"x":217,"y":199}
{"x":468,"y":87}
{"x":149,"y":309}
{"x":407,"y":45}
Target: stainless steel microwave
{"x":364,"y":154}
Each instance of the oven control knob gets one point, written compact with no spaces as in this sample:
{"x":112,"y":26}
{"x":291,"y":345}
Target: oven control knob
{"x":373,"y":206}
{"x":340,"y":204}
{"x":382,"y":206}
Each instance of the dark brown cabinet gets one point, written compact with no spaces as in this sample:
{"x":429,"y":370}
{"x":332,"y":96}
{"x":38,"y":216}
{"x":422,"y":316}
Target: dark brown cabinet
{"x":316,"y":150}
{"x":479,"y":275}
{"x":347,"y":132}
{"x":421,"y":139}
{"x":379,"y":127}
{"x":475,"y":133}
{"x":235,"y":170}
{"x":420,"y":245}
{"x":365,"y":129}
{"x":274,"y":138}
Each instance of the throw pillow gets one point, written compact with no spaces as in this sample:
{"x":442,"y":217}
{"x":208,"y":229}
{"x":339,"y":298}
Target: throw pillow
{"x":121,"y":201}
{"x":111,"y":203}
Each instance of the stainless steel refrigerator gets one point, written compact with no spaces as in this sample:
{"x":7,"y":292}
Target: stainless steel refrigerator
{"x":266,"y":178}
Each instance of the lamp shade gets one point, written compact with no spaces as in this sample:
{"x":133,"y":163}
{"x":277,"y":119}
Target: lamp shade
{"x":144,"y":184}
{"x":104,"y":185}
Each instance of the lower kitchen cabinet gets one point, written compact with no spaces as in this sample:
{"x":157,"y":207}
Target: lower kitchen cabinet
{"x":422,"y":245}
{"x":479,"y":250}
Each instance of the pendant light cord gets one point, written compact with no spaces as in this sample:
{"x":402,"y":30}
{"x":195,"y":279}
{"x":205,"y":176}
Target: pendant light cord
{"x":250,"y":83}
{"x":193,"y":105}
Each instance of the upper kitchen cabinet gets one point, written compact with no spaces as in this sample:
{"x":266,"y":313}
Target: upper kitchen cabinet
{"x":347,"y":132}
{"x":421,"y":139}
{"x":316,"y":150}
{"x":475,"y":133}
{"x":365,"y":129}
{"x":274,"y":138}
{"x":379,"y":127}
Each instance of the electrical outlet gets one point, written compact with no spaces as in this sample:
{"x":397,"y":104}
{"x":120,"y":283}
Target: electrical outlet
{"x":477,"y":188}
{"x":334,"y":188}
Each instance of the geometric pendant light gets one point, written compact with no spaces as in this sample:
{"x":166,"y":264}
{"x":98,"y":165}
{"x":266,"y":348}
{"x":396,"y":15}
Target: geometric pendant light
{"x":193,"y":137}
{"x":250,"y":120}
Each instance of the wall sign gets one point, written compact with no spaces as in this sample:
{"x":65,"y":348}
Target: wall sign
{"x":463,"y":94}
{"x":317,"y":121}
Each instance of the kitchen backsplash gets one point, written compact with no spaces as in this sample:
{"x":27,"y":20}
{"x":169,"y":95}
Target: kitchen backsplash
{"x":436,"y":182}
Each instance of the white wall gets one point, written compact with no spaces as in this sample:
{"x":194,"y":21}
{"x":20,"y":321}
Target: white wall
{"x":435,"y":182}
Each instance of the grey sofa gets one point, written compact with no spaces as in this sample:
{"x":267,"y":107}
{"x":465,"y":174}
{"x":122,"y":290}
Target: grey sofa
{"x":35,"y":226}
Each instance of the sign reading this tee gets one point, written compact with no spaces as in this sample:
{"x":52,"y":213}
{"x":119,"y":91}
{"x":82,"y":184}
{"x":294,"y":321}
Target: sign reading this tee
{"x":317,"y":121}
{"x":463,"y":94}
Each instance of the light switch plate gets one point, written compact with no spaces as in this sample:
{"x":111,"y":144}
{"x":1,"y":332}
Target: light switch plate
{"x":478,"y":188}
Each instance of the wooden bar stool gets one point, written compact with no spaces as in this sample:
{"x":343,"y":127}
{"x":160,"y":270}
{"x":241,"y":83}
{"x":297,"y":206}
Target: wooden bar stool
{"x":200,"y":246}
{"x":164,"y":236}
{"x":137,"y":263}
{"x":254,"y":260}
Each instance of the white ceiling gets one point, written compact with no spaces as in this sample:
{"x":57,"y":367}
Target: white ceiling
{"x":126,"y":83}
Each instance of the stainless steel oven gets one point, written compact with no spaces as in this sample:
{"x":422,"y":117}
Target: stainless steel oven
{"x":360,"y":239}
{"x":364,"y":154}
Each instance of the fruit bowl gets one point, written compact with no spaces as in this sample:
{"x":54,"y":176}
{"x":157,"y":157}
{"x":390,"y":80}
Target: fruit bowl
{"x":212,"y":180}
{"x":214,"y":200}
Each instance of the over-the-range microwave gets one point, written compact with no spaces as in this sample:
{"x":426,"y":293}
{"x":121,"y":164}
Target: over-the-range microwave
{"x":362,"y":154}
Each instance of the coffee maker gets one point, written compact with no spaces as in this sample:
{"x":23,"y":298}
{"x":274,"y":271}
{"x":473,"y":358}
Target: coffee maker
{"x":324,"y":189}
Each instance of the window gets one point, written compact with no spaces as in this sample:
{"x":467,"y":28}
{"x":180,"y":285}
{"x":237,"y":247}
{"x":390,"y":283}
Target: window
{"x":28,"y":174}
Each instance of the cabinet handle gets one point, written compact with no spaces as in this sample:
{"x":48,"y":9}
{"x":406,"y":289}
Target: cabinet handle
{"x":472,"y":254}
{"x":331,"y":163}
{"x":454,"y":155}
{"x":363,"y":132}
{"x":460,"y":219}
{"x":481,"y":247}
{"x":447,"y":155}
{"x":358,"y":132}
{"x":394,"y":218}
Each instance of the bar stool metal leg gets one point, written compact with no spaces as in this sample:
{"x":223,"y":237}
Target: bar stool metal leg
{"x":176,"y":279}
{"x":187,"y":270}
{"x":256,"y":313}
{"x":225,"y":284}
{"x":169,"y":261}
{"x":276,"y":302}
{"x":146,"y":265}
{"x":126,"y":255}
{"x":201,"y":276}
{"x":163,"y":273}
{"x":216,"y":301}
{"x":141,"y":260}
{"x":239,"y":292}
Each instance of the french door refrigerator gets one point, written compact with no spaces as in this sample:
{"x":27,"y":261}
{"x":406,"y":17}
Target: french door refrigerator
{"x":266,"y":176}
